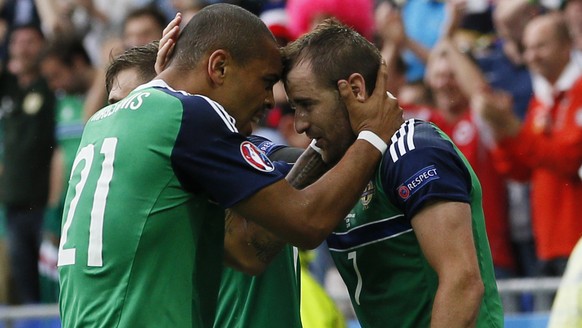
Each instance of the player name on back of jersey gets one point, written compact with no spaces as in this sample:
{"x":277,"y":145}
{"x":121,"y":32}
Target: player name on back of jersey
{"x":133,"y":102}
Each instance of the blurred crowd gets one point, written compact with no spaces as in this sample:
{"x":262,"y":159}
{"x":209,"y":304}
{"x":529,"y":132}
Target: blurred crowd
{"x":503,"y":78}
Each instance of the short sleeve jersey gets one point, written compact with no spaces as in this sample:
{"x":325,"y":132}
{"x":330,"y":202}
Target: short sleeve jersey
{"x":141,"y":245}
{"x":267,"y":300}
{"x":375,"y":249}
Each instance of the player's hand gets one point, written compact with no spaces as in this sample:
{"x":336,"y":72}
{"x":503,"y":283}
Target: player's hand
{"x":380,"y":113}
{"x":167,"y":43}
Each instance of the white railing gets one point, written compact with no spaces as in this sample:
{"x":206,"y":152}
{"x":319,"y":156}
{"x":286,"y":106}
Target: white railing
{"x":37,"y":311}
{"x":543,"y":288}
{"x":534,"y":285}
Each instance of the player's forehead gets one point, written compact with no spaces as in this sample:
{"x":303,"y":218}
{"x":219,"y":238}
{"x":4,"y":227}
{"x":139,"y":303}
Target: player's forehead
{"x":271,"y":58}
{"x":301,"y":82}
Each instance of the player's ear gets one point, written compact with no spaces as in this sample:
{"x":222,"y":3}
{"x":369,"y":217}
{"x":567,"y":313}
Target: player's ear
{"x":358,"y":85}
{"x":217,"y":63}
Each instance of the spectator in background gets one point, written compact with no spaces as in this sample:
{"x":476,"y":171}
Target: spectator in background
{"x":71,"y":17}
{"x":502,"y":63}
{"x":455,"y":81}
{"x":547,"y":147}
{"x":12,"y":13}
{"x":423,"y":24}
{"x":15,"y":13}
{"x":27,"y":109}
{"x":68,"y":70}
{"x":187,"y":8}
{"x":140,"y":26}
{"x":393,"y":42}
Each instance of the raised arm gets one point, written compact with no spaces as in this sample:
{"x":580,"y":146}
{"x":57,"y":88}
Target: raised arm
{"x":469,"y":76}
{"x":391,"y":31}
{"x":249,"y":247}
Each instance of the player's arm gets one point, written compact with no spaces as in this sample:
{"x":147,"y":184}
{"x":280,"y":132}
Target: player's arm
{"x":249,"y":247}
{"x":444,"y":231}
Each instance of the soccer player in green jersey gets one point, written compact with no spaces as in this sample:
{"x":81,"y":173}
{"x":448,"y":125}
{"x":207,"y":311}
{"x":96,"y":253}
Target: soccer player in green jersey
{"x":413,"y":252}
{"x":141,"y":245}
{"x":266,"y":279}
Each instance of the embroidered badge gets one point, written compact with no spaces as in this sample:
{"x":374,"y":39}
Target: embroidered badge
{"x":368,"y":194}
{"x":255,"y":157}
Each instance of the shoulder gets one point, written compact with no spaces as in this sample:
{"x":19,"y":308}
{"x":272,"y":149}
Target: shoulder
{"x":196,"y":108}
{"x":415,"y":135}
{"x":422,"y":164}
{"x":419,"y":147}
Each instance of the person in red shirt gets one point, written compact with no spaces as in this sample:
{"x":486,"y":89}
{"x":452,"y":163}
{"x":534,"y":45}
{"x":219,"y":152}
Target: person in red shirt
{"x":454,"y":80}
{"x":547,"y":147}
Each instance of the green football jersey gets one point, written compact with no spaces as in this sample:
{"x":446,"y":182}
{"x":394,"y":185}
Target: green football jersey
{"x":375,"y":249}
{"x":271,"y":299}
{"x":250,"y":301}
{"x":141,"y":244}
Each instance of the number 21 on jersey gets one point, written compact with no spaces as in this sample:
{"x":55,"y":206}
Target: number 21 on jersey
{"x":86,"y":157}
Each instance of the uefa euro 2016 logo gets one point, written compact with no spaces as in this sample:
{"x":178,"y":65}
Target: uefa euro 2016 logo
{"x":255,"y":157}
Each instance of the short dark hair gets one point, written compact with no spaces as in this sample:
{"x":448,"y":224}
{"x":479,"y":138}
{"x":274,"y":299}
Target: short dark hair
{"x":66,"y":48}
{"x":335,"y":51}
{"x":142,"y":58}
{"x":148,"y":10}
{"x":221,"y":26}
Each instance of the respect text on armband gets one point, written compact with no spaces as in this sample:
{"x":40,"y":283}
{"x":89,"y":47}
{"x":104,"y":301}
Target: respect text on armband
{"x":417,"y":181}
{"x":132,"y":102}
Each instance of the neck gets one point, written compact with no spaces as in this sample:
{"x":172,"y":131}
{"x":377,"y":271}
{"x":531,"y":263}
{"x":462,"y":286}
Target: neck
{"x":191,"y":81}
